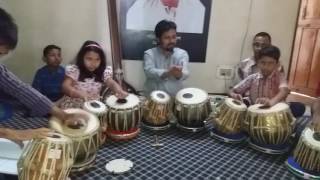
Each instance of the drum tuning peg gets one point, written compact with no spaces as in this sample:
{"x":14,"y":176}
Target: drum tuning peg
{"x":157,"y":144}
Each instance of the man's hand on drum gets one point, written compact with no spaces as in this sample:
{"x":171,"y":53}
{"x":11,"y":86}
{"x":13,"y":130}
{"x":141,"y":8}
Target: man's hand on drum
{"x":22,"y":135}
{"x":236,"y":96}
{"x":265,"y":101}
{"x":73,"y":120}
{"x":69,"y":119}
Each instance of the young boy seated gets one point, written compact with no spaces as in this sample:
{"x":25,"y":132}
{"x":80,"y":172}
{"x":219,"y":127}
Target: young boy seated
{"x":48,"y":79}
{"x":268,"y":86}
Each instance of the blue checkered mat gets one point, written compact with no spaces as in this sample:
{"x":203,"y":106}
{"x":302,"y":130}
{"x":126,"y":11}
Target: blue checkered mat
{"x":183,"y":156}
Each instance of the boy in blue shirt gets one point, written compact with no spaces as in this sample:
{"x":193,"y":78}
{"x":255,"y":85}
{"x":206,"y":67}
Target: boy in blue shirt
{"x":48,"y":79}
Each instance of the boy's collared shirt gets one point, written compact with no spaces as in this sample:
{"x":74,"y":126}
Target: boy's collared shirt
{"x":49,"y":83}
{"x":318,"y":90}
{"x":247,"y":67}
{"x":260,"y":87}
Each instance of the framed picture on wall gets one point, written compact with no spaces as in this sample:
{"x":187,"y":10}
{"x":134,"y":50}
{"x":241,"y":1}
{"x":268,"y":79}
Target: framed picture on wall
{"x":138,"y":19}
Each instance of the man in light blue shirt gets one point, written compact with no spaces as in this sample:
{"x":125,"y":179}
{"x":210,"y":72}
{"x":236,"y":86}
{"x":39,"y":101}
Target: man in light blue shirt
{"x":165,"y":66}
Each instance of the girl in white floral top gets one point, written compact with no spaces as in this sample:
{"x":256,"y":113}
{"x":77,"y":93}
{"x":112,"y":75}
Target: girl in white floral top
{"x":84,"y":80}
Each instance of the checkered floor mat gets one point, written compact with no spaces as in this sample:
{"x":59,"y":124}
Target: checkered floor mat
{"x":183,"y":156}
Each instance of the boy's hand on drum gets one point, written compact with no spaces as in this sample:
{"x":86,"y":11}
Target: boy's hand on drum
{"x":236,"y":96}
{"x":316,"y":123}
{"x":265,"y":101}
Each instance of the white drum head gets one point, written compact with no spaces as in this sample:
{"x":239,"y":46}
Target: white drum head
{"x":261,"y":109}
{"x":56,"y":137}
{"x":89,"y":121}
{"x":129,"y":102}
{"x":160,"y":97}
{"x":119,"y":166}
{"x":191,"y":96}
{"x":236,"y":104}
{"x":95,"y":107}
{"x":307,"y":136}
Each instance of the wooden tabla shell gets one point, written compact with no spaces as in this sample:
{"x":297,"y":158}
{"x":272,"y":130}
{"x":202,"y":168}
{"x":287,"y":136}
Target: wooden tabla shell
{"x":100,"y":110}
{"x":86,"y":139}
{"x":271,"y":126}
{"x":307,"y":151}
{"x":123,"y":119}
{"x":157,"y":109}
{"x":230,"y":116}
{"x":192,"y":107}
{"x":48,"y":158}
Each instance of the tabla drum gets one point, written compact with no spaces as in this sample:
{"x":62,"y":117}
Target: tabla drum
{"x":123,"y":117}
{"x":85,"y":138}
{"x":227,"y":121}
{"x":192,"y":108}
{"x":100,"y":110}
{"x":305,"y":161}
{"x":156,"y":112}
{"x":47,"y":158}
{"x":269,"y":128}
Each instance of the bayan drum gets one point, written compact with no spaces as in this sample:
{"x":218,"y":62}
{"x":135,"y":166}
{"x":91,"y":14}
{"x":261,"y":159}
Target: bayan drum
{"x":156,"y":112}
{"x":192,"y":108}
{"x":85,"y":137}
{"x":47,"y":158}
{"x":227,"y":121}
{"x":269,"y":128}
{"x":123,"y":117}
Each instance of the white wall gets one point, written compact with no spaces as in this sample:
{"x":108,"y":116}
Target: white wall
{"x":70,"y":22}
{"x":66,"y":23}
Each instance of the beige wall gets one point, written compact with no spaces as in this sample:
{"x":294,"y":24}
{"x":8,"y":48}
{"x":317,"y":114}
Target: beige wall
{"x":69,"y":22}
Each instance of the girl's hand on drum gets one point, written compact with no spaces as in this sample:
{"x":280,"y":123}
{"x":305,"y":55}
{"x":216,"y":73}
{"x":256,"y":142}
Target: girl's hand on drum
{"x":121,"y":94}
{"x":236,"y":96}
{"x":22,"y":135}
{"x":84,"y":95}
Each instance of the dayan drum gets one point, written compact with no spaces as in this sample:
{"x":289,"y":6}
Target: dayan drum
{"x":47,"y":158}
{"x":269,"y":128}
{"x":123,"y":117}
{"x":305,"y":161}
{"x":85,"y":137}
{"x":192,"y":108}
{"x":156,"y":112}
{"x":227,"y":121}
{"x":100,"y":110}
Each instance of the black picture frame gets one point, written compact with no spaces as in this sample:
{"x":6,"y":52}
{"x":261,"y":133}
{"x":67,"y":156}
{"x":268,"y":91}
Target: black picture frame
{"x":135,"y":42}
